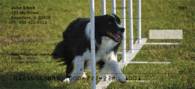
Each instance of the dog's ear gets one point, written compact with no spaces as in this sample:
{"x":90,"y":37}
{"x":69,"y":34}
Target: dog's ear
{"x":116,"y":18}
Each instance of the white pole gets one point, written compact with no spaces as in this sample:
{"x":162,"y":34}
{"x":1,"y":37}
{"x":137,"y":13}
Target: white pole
{"x":103,"y":7}
{"x":114,"y":6}
{"x":139,"y":20}
{"x":92,"y":24}
{"x":131,"y":24}
{"x":124,"y":34}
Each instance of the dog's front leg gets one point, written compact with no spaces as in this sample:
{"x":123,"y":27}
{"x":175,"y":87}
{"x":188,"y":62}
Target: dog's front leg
{"x":112,"y":63}
{"x":116,"y":71}
{"x":78,"y":68}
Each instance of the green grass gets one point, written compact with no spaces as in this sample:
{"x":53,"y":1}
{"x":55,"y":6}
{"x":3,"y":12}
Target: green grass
{"x":38,"y":71}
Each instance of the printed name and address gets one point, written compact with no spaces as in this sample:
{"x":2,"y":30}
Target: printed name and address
{"x":27,"y":15}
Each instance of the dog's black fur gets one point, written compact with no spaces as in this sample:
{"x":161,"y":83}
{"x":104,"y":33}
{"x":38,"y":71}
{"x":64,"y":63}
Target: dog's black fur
{"x":76,"y":42}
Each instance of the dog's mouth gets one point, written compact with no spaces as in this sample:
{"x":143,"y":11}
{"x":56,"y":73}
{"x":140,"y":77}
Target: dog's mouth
{"x":115,"y":36}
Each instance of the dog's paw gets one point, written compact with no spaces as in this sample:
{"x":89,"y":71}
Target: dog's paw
{"x":66,"y":80}
{"x":121,"y":78}
{"x":84,"y":76}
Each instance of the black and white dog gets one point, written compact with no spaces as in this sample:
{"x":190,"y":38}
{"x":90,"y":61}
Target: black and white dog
{"x":75,"y":47}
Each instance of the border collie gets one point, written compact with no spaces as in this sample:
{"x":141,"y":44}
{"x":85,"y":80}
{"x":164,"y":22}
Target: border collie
{"x":74,"y":49}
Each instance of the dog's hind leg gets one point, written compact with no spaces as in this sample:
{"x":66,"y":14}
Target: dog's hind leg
{"x":84,"y":75}
{"x":78,"y":70}
{"x":69,"y":69}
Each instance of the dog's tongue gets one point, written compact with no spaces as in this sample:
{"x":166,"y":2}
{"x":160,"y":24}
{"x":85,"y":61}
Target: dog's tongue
{"x":117,"y":37}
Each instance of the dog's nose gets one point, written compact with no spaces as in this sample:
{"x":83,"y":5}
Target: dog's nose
{"x":122,"y":29}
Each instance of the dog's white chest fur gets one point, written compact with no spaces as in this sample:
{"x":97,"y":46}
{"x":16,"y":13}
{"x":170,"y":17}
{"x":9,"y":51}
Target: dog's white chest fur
{"x":103,"y":51}
{"x":106,"y":45}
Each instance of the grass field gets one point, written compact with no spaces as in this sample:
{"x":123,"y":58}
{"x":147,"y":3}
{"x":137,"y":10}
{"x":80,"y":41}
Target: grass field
{"x":24,"y":63}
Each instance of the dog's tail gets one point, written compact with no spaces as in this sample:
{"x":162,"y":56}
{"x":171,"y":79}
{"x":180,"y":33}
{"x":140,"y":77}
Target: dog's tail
{"x":59,"y":51}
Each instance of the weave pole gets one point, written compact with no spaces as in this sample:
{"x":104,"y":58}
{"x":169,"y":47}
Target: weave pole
{"x":131,"y":46}
{"x":92,"y":40}
{"x":103,"y":7}
{"x":124,"y":34}
{"x":139,"y":21}
{"x":114,"y":6}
